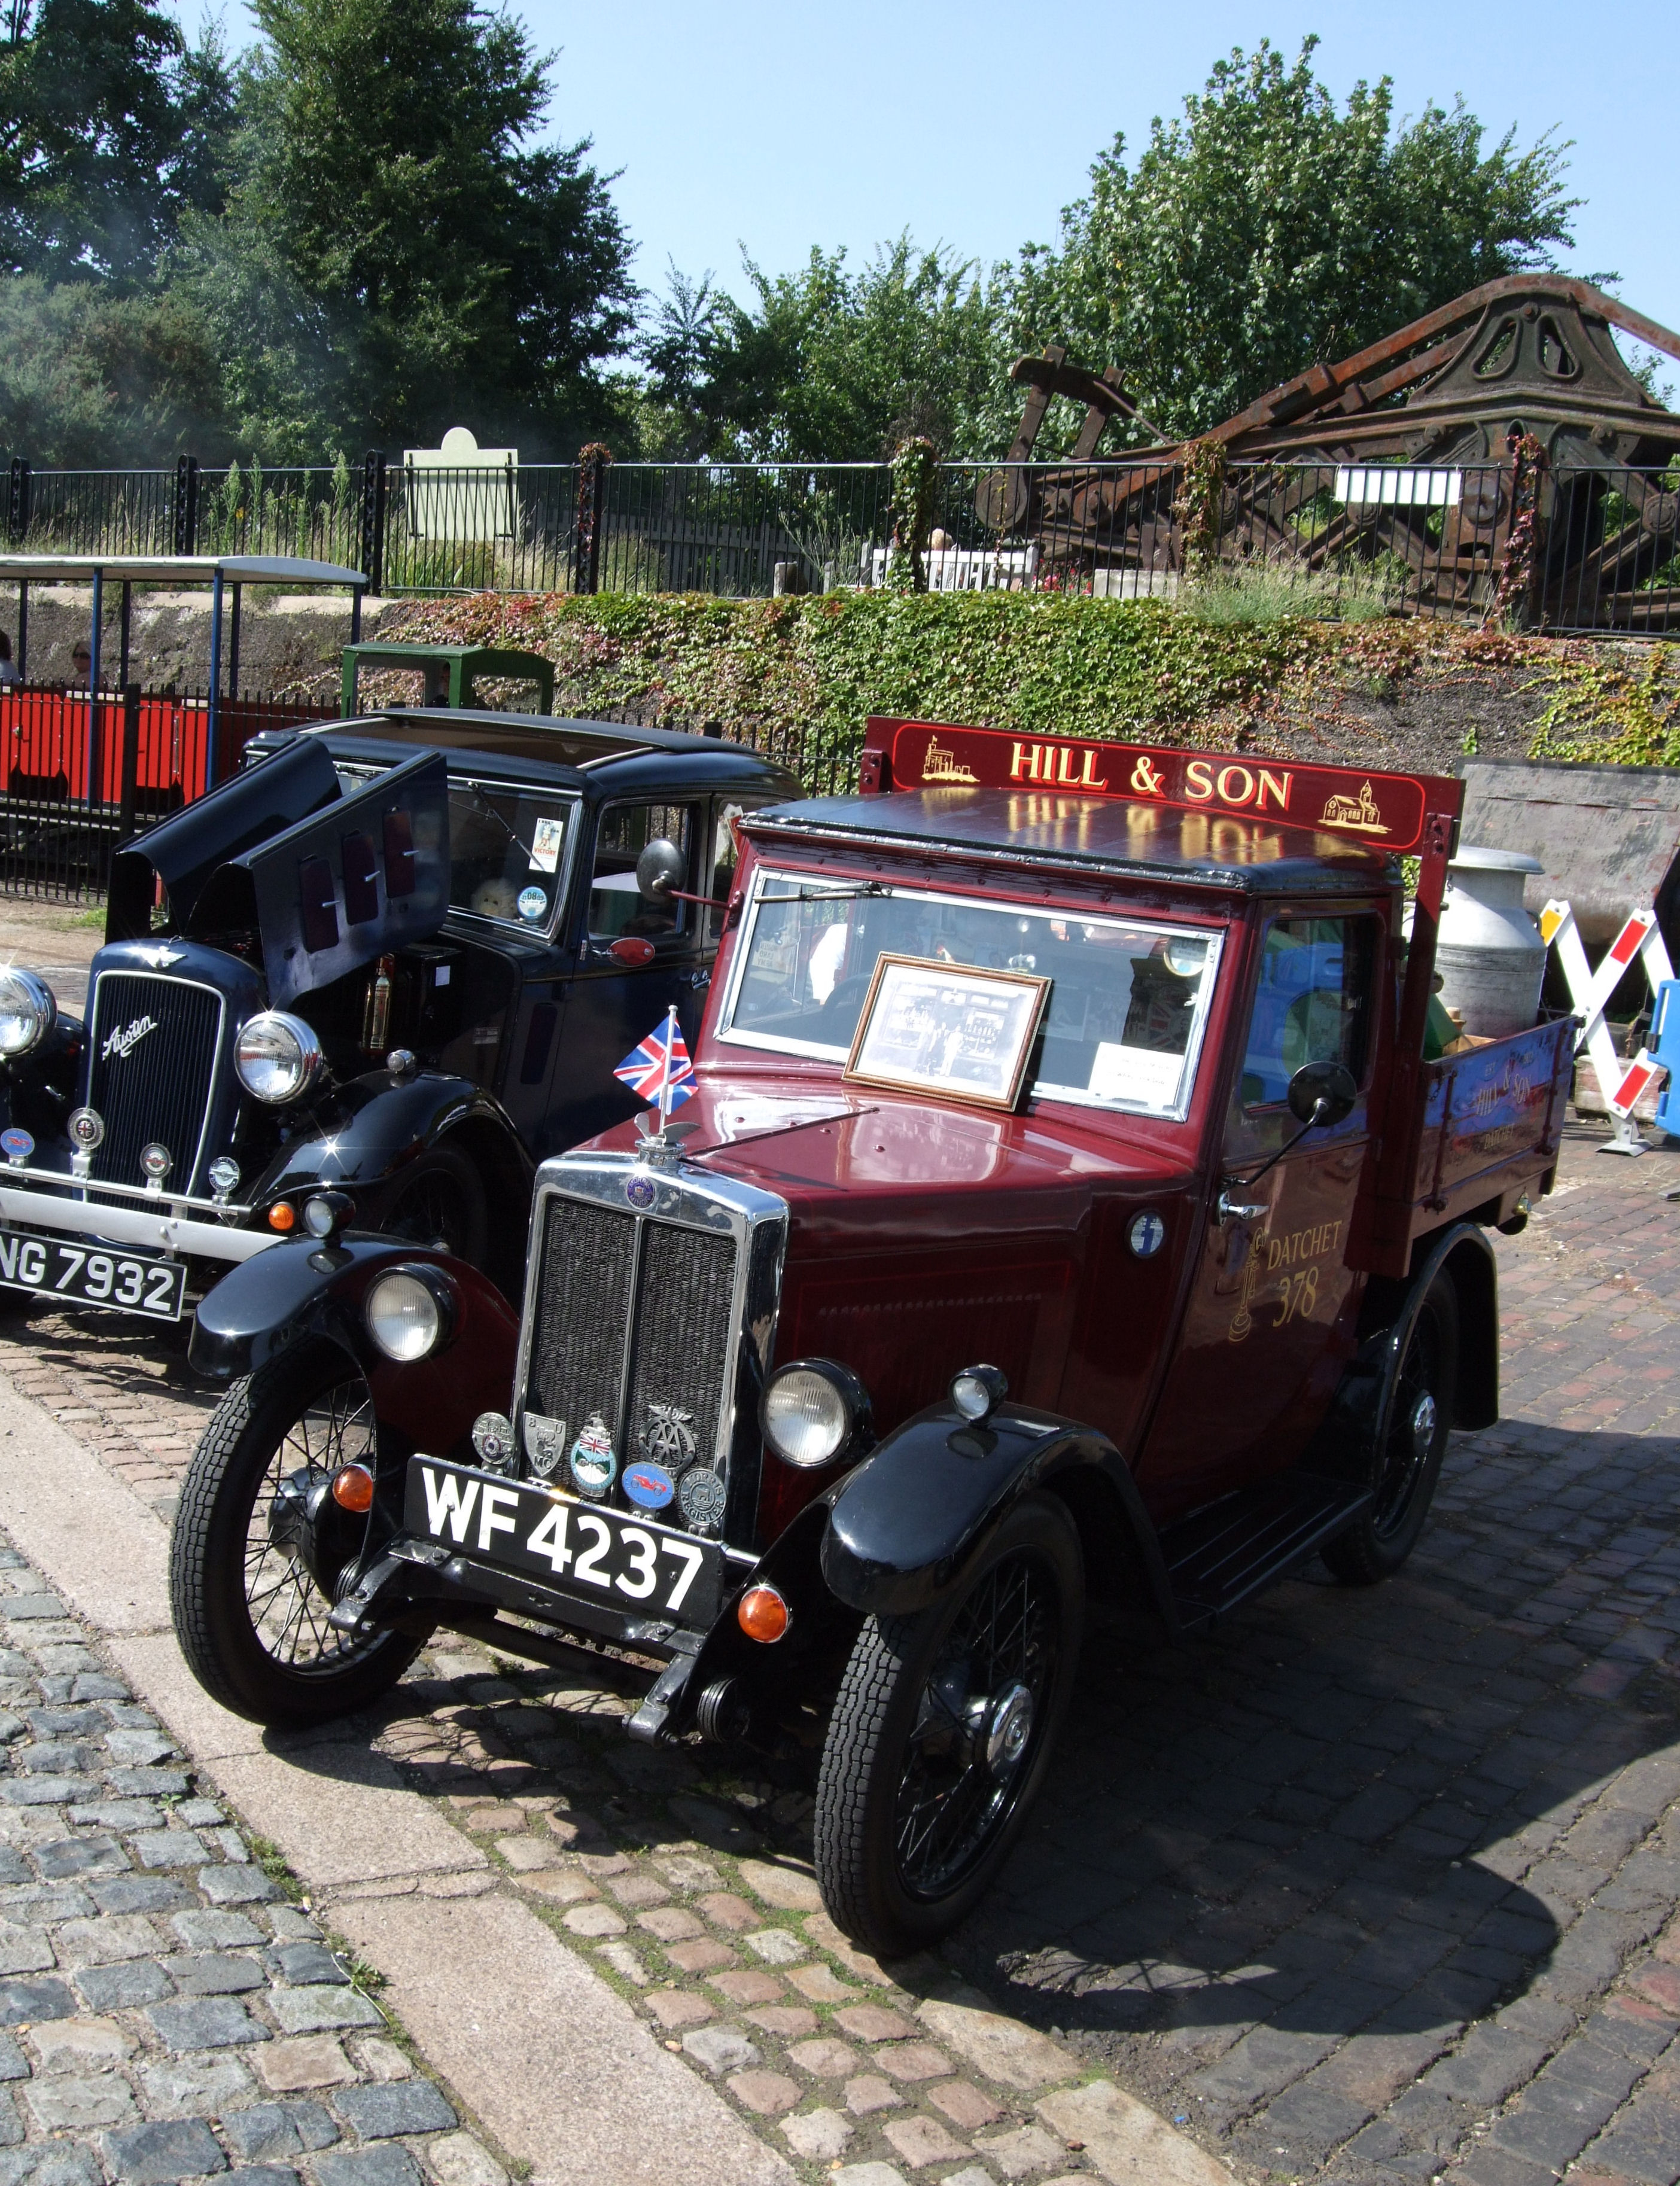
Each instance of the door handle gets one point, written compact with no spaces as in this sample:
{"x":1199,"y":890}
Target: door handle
{"x":1239,"y":1209}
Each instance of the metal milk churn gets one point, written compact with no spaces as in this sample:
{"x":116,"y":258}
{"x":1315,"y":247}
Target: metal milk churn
{"x":1489,"y":955}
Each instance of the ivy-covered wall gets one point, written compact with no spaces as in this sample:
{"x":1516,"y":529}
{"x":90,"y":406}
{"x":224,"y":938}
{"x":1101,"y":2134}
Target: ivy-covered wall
{"x":800,"y":675}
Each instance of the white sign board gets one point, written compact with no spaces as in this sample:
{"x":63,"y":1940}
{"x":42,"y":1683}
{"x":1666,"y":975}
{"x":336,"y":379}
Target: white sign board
{"x":1391,"y":486}
{"x":460,"y":491}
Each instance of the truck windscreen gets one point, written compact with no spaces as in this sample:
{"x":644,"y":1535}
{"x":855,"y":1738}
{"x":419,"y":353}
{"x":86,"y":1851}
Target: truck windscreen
{"x":1127,"y":997}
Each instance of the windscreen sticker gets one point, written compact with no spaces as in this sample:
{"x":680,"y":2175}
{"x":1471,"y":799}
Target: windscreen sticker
{"x":1119,"y":1073}
{"x":545,"y":843}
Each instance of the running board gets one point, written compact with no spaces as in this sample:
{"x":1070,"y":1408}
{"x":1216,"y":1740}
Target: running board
{"x":1233,"y":1548}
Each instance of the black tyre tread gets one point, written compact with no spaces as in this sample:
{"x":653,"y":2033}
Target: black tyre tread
{"x":1356,"y":1558}
{"x":191,"y":1550}
{"x":855,"y":1731}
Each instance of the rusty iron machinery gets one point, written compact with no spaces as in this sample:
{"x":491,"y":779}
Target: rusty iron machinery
{"x":1531,"y":355}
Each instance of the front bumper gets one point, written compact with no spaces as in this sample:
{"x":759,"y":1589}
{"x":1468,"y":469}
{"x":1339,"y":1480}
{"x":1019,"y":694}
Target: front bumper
{"x":157,"y":1222}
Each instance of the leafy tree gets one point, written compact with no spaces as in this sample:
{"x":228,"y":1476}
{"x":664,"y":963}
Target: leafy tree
{"x":827,"y":364}
{"x":1266,"y":229}
{"x":110,"y":129}
{"x":91,"y":377}
{"x":397,"y":256}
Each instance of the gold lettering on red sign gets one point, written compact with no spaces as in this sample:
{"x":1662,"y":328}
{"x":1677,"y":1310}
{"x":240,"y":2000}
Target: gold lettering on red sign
{"x":1060,"y":764}
{"x":1146,"y":779}
{"x":1198,"y":781}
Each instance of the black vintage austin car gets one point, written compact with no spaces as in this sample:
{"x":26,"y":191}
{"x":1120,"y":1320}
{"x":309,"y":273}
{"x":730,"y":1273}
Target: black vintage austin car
{"x":396,"y":957}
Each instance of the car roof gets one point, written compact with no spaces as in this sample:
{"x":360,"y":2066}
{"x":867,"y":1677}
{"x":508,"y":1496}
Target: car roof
{"x":1093,"y":834}
{"x":596,"y":758}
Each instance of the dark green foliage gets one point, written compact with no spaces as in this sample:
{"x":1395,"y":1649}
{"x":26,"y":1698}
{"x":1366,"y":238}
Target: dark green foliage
{"x":86,"y":376}
{"x":1266,"y":229}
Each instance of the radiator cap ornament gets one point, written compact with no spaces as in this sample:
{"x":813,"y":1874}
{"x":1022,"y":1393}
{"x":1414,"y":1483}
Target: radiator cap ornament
{"x":545,"y":1445}
{"x":594,"y":1462}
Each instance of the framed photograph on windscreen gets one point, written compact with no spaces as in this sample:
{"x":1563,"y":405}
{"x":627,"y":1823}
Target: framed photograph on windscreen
{"x":930,"y":1026}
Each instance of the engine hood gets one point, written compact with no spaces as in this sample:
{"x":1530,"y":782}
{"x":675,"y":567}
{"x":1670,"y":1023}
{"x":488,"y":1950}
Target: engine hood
{"x":850,"y":1161}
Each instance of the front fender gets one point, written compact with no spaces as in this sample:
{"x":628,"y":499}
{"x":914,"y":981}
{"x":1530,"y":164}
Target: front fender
{"x":905,"y":1526}
{"x":298,"y":1290}
{"x":377,"y":1124}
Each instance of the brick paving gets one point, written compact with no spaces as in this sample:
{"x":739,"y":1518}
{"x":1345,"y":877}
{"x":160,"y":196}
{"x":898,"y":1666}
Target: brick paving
{"x":168,"y":2012}
{"x":1365,"y":1886}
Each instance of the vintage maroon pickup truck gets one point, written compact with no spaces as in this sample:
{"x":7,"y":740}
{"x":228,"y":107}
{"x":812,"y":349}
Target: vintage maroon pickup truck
{"x":1065,"y":1205}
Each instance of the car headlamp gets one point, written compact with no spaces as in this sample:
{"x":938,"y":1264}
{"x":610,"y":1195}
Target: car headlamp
{"x":977,"y":1392}
{"x":277,"y":1057}
{"x":409,"y":1312}
{"x":28,"y":1012}
{"x":813,"y":1411}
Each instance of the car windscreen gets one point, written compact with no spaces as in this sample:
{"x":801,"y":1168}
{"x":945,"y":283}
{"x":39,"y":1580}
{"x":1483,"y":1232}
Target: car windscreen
{"x":507,"y":846}
{"x":1128,"y":999}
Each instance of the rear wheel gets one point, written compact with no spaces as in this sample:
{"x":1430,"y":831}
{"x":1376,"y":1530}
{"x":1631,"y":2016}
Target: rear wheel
{"x":442,"y":1201}
{"x":259,"y":1550}
{"x":941,"y":1735}
{"x":1408,"y":1464}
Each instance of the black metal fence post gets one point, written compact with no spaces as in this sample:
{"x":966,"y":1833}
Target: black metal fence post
{"x":593,"y":463}
{"x":17,"y":500}
{"x":374,"y":497}
{"x":184,"y":511}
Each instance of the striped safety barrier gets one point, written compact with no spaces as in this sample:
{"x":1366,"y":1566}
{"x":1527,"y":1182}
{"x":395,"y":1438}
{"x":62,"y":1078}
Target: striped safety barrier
{"x":1622,"y":1082}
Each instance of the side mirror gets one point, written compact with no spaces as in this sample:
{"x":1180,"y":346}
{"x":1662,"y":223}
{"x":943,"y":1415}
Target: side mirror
{"x":1322,"y":1094}
{"x":631,"y":949}
{"x":660,"y":870}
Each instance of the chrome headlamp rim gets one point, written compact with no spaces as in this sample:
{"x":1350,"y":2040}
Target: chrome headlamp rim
{"x":976,"y":1392}
{"x":305,"y":1066}
{"x":822,"y":1386}
{"x":25,"y":997}
{"x":441,"y":1295}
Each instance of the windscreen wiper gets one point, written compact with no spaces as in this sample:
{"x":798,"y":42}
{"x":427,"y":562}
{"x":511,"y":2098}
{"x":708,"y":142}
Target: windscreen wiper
{"x":849,"y":891}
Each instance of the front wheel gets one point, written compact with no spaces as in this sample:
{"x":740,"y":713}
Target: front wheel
{"x":941,"y":1735}
{"x":442,"y":1201}
{"x":259,"y":1549}
{"x":1408,"y":1463}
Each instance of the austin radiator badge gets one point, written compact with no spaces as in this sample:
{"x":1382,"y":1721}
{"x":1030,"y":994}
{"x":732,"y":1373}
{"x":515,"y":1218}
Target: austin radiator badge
{"x":545,"y":1443}
{"x":668,"y":1435}
{"x":595,"y":1462}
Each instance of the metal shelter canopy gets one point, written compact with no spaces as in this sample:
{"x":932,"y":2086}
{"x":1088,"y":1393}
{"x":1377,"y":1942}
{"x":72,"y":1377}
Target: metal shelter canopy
{"x":218,"y":571}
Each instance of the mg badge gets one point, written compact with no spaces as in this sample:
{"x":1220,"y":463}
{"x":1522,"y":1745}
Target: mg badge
{"x":649,"y":1485}
{"x":1147,"y":1234}
{"x":700,"y":1494}
{"x":640,"y":1191}
{"x":545,"y":1443}
{"x":594,"y":1462}
{"x":668,"y":1435}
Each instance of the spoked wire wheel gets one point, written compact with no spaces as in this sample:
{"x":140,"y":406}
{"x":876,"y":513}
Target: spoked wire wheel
{"x":260,"y":1550}
{"x":980,"y":1711}
{"x":941,"y":1734}
{"x":283,"y":1597}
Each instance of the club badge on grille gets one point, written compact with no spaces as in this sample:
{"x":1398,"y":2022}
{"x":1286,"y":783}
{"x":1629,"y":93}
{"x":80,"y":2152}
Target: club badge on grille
{"x":669,"y":1437}
{"x":595,"y":1462}
{"x":545,"y":1443}
{"x":700,"y":1495}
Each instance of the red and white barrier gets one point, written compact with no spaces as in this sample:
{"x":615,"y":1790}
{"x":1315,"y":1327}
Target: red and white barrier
{"x":1622,"y":1082}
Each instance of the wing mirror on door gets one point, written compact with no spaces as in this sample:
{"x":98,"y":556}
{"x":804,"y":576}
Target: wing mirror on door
{"x":661,"y":871}
{"x":1321,"y":1095}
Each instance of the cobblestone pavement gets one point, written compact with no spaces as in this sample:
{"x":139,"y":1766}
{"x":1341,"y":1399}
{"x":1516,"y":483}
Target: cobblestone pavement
{"x":168,"y":2012}
{"x":1366,"y":1885}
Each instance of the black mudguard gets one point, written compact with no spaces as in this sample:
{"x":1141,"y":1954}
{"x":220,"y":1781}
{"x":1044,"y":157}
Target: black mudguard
{"x":301,"y":1290}
{"x":379,"y":1124}
{"x":906,"y":1527}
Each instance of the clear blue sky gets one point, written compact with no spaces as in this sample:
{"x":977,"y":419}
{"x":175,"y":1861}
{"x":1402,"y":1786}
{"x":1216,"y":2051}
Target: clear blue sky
{"x":779,"y":123}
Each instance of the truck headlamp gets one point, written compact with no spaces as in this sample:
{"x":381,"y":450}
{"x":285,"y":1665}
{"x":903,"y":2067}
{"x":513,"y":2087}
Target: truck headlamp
{"x":277,"y":1057}
{"x":813,"y":1410}
{"x":409,"y":1312}
{"x":28,"y":1012}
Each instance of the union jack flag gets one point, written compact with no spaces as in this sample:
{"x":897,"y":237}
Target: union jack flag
{"x":660,"y":1067}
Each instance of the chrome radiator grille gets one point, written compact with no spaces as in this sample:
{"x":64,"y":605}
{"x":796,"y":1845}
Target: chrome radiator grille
{"x":152,"y":1047}
{"x":632,"y":1314}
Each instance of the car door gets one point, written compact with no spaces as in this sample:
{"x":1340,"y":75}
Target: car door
{"x":1270,"y":1319}
{"x":616,"y":1000}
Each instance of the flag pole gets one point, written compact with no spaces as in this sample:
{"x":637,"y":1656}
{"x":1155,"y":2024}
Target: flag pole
{"x":665,"y":1069}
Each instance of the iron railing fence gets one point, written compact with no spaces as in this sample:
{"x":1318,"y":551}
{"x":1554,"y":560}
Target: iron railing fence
{"x":1332,"y":539}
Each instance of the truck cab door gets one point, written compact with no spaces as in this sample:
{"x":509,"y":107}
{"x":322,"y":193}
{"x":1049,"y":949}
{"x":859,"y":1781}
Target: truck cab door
{"x":1273,"y":1308}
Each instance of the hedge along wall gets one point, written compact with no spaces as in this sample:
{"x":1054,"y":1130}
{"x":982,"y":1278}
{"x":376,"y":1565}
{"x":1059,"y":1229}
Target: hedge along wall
{"x":799,"y":677}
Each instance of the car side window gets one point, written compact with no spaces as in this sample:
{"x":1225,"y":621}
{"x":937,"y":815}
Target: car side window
{"x":616,"y":904}
{"x":1312,"y":1004}
{"x":719,"y":874}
